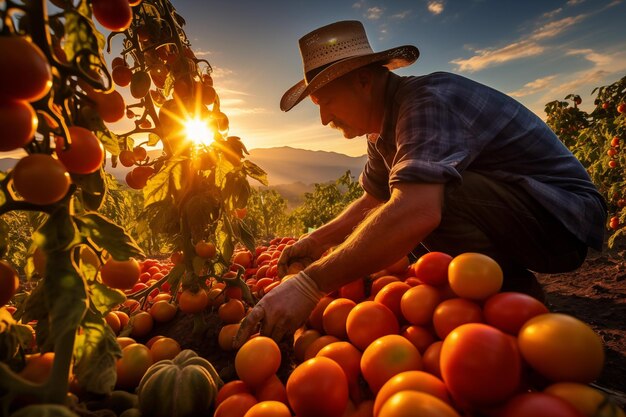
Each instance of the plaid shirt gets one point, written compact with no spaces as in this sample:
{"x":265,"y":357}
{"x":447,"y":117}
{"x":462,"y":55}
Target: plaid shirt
{"x":438,"y":125}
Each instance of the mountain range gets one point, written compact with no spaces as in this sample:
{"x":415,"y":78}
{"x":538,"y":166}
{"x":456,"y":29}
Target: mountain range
{"x":291,"y":171}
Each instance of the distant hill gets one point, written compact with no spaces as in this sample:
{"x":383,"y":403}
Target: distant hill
{"x":284,"y":165}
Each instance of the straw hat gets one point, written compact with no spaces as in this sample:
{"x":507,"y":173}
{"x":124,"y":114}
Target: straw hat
{"x":336,"y":49}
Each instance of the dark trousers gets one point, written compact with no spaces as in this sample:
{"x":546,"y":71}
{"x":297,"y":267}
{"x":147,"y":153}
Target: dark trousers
{"x":503,"y":221}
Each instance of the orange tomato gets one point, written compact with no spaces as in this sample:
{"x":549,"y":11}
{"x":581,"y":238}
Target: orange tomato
{"x":19,"y":124}
{"x":113,"y":321}
{"x":418,"y":304}
{"x":120,"y":274}
{"x":125,"y":341}
{"x":368,"y":321}
{"x":232,"y":311}
{"x":318,"y":387}
{"x":474,"y":276}
{"x":431,"y":358}
{"x":135,"y":361}
{"x":450,"y":314}
{"x":413,"y":381}
{"x":386,"y":357}
{"x":236,"y":386}
{"x":380,"y":282}
{"x":191,"y":302}
{"x":268,"y":409}
{"x":317,"y":344}
{"x":347,"y":356}
{"x":38,"y":367}
{"x":41,"y":179}
{"x":335,"y":316}
{"x":414,"y":403}
{"x":302,"y":341}
{"x":164,"y":348}
{"x":390,"y":296}
{"x":226,"y":335}
{"x":272,"y":389}
{"x":562,"y":348}
{"x":508,"y":311}
{"x":141,"y":323}
{"x":315,"y":319}
{"x":420,"y":336}
{"x":205,"y":250}
{"x":236,"y":405}
{"x":84,"y":154}
{"x":257,"y":360}
{"x":590,"y":402}
{"x":163,"y":311}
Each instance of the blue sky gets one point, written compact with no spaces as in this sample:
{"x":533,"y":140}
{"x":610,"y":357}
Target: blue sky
{"x":536,"y":51}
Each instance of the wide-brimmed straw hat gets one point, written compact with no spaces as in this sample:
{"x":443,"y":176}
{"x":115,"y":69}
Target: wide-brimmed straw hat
{"x":336,"y":49}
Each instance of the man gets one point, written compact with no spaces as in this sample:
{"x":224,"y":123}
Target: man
{"x":452,"y":164}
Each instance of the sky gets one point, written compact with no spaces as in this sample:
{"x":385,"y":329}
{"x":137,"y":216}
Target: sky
{"x":536,"y":51}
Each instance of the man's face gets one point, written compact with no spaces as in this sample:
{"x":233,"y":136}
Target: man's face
{"x":343,"y":105}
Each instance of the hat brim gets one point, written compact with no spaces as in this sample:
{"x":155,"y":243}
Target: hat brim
{"x":394,"y":58}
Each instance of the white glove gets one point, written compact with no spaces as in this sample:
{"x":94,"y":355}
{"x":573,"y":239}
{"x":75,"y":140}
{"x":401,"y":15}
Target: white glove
{"x":306,"y":251}
{"x":282,"y":310}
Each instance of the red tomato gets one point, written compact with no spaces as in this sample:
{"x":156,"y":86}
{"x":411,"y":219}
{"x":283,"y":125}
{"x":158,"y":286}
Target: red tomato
{"x":508,"y":311}
{"x":562,"y":348}
{"x":84,"y":154}
{"x":432,"y":268}
{"x":538,"y":404}
{"x":480,"y":365}
{"x":19,"y":124}
{"x":454,"y":312}
{"x":318,"y":387}
{"x":115,"y":15}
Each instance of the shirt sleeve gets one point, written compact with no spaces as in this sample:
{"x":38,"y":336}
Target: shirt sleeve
{"x":375,"y":179}
{"x":431,"y":143}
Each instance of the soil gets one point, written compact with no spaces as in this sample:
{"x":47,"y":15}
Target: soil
{"x":595,"y":293}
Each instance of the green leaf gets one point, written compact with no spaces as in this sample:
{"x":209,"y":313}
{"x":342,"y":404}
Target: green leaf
{"x":108,"y":235}
{"x":224,"y":242}
{"x":175,"y":275}
{"x":93,"y":189}
{"x":254,"y":171}
{"x":58,"y":233}
{"x":80,"y":34}
{"x":153,"y":139}
{"x":109,"y":141}
{"x":158,"y":187}
{"x":198,"y":264}
{"x":105,"y":298}
{"x":96,"y":352}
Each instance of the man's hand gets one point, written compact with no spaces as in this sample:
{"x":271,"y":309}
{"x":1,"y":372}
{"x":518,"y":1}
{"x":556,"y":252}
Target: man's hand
{"x":282,"y":310}
{"x":304,"y":251}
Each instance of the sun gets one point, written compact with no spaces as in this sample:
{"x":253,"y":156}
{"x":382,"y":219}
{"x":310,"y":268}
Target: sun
{"x":198,"y":131}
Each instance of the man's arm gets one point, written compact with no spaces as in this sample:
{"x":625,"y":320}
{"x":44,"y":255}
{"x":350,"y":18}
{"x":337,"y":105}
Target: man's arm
{"x":388,"y":232}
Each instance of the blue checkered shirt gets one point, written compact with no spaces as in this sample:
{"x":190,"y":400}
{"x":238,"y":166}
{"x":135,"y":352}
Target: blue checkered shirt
{"x":438,"y":125}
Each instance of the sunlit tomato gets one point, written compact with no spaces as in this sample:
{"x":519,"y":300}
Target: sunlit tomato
{"x":562,"y":348}
{"x":121,"y":75}
{"x":163,"y":311}
{"x":164,"y":348}
{"x":335,"y":316}
{"x":432,"y":268}
{"x":539,"y":404}
{"x":235,"y":405}
{"x":368,"y":321}
{"x":454,"y":312}
{"x":413,"y":381}
{"x":380,"y":282}
{"x":420,"y":336}
{"x":190,"y":302}
{"x":114,"y":15}
{"x":508,"y":311}
{"x":268,"y":409}
{"x":386,"y":357}
{"x":135,"y":361}
{"x":9,"y":282}
{"x":315,"y":319}
{"x":124,"y":341}
{"x":124,"y":319}
{"x":232,"y":311}
{"x":120,"y":274}
{"x":85,"y":153}
{"x":236,"y":386}
{"x":347,"y":356}
{"x":19,"y":124}
{"x":318,"y":387}
{"x":243,"y":258}
{"x":257,"y":360}
{"x":480,"y":364}
{"x":141,"y":323}
{"x":589,"y":401}
{"x":41,"y":179}
{"x":127,"y":158}
{"x":113,"y":321}
{"x":474,"y":276}
{"x":26,"y":74}
{"x":354,"y":290}
{"x":413,"y":403}
{"x":205,"y":249}
{"x":272,"y":389}
{"x":418,"y":304}
{"x":390,"y":296}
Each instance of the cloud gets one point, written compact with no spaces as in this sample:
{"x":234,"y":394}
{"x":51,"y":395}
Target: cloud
{"x":574,"y":2}
{"x":597,"y":58}
{"x":221,"y":72}
{"x":200,"y":53}
{"x":488,"y":57}
{"x":435,"y":7}
{"x":522,"y":48}
{"x":533,"y":87}
{"x":400,"y":15}
{"x":374,"y":13}
{"x":551,"y":14}
{"x":358,"y":4}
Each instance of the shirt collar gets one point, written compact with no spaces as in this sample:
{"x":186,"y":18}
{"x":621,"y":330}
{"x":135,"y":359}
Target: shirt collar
{"x":393,"y":82}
